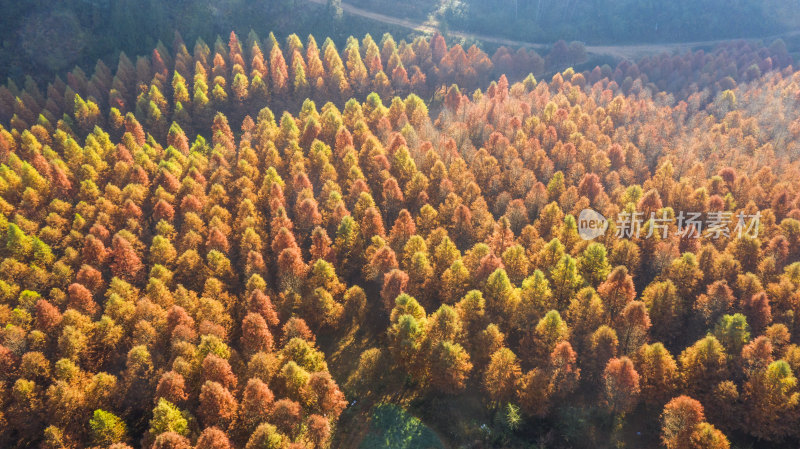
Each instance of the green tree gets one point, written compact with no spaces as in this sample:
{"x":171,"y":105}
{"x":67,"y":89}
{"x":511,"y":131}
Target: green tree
{"x":405,"y":341}
{"x":703,"y":366}
{"x":168,"y":418}
{"x":449,"y":367}
{"x":593,"y":264}
{"x":565,"y":281}
{"x":733,"y":332}
{"x":772,"y":395}
{"x":107,"y":428}
{"x":266,"y":436}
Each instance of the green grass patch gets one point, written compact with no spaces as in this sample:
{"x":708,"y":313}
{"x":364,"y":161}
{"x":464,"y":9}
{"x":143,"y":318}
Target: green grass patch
{"x":391,"y":427}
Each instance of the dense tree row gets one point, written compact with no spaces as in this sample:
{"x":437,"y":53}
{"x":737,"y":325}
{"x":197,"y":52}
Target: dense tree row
{"x":699,"y":76}
{"x":239,"y":78}
{"x":162,"y":289}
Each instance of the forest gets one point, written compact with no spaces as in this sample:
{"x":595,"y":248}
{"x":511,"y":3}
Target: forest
{"x":264,"y":242}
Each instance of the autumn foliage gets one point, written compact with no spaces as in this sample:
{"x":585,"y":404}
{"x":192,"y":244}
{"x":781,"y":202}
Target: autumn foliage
{"x":190,"y":239}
